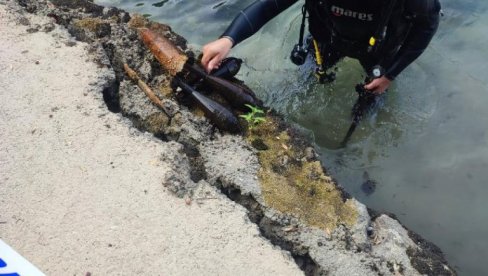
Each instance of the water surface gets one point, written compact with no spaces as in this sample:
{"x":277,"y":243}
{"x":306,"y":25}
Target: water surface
{"x":427,"y":146}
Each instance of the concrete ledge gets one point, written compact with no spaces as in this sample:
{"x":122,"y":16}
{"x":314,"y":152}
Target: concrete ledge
{"x":326,"y":232}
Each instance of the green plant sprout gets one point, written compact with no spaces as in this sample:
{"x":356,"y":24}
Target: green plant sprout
{"x":254,"y":117}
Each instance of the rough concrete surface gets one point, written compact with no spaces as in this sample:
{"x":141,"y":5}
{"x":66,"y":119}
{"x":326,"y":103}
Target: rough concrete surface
{"x":98,"y":203}
{"x":81,"y":191}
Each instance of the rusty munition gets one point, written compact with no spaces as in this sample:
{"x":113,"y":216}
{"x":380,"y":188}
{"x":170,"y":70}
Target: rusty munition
{"x":229,"y":67}
{"x":238,"y":96}
{"x":170,"y":57}
{"x":215,"y":112}
{"x":174,"y":60}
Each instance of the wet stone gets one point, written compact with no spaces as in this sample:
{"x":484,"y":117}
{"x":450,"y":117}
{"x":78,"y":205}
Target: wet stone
{"x":368,"y":186}
{"x":109,"y":12}
{"x":125,"y":17}
{"x":103,"y":30}
{"x":170,"y":107}
{"x":284,"y":160}
{"x":310,"y":154}
{"x":86,"y":6}
{"x":156,"y":123}
{"x":259,"y":144}
{"x":87,"y":28}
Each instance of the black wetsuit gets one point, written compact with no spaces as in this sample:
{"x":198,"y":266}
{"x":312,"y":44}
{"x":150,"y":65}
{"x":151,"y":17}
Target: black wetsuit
{"x":344,"y":27}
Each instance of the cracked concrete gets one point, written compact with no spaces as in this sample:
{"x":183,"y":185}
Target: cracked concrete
{"x":80,"y":189}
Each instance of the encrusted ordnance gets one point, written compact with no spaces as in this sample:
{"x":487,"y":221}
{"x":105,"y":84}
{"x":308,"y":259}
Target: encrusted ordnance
{"x":170,"y":57}
{"x":174,"y":60}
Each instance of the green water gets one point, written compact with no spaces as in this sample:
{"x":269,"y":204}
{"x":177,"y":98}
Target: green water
{"x":427,"y":146}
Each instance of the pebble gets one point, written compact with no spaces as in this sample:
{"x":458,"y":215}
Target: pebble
{"x":32,"y":30}
{"x":188,"y":201}
{"x":370,"y":231}
{"x":310,"y":154}
{"x":49,"y":27}
{"x":24,"y":21}
{"x":70,"y":43}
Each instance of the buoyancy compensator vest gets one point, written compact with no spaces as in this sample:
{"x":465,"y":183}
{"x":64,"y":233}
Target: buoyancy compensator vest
{"x":358,"y":28}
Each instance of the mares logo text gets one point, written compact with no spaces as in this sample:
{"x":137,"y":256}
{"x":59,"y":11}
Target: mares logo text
{"x":338,"y":11}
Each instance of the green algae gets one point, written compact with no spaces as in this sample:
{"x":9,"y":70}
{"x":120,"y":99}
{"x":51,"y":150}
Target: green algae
{"x":91,"y":24}
{"x":294,"y":185}
{"x":156,"y":123}
{"x":290,"y":183}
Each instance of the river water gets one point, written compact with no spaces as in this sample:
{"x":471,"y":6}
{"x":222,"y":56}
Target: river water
{"x":426,"y":146}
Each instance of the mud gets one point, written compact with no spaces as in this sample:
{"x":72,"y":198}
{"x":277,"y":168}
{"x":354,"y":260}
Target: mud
{"x":271,"y":170}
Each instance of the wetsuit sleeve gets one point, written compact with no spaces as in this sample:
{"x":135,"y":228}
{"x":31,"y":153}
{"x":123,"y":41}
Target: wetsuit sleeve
{"x":252,"y":18}
{"x":424,"y":26}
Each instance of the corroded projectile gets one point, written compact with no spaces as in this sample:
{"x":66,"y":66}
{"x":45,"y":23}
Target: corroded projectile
{"x":173,"y":60}
{"x":238,"y":96}
{"x":228,"y":68}
{"x":215,"y":112}
{"x":170,"y":57}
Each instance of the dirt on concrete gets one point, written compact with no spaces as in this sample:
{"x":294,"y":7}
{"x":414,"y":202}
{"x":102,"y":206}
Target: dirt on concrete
{"x":346,"y":240}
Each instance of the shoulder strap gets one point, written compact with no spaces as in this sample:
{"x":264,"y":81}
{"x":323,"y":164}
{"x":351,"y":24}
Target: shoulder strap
{"x":302,"y":26}
{"x":380,"y":33}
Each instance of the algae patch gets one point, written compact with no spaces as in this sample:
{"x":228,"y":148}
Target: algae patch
{"x":97,"y":26}
{"x":156,"y":123}
{"x":294,"y":185}
{"x":91,"y":24}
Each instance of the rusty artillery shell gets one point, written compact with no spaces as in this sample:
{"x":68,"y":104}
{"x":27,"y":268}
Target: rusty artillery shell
{"x":170,"y":57}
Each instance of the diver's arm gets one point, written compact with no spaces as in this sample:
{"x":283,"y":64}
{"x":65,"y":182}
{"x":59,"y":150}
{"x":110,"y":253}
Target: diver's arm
{"x":248,"y":22}
{"x":252,"y":18}
{"x":423,"y":28}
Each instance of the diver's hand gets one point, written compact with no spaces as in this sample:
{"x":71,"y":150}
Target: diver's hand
{"x":378,"y":86}
{"x":214,"y":52}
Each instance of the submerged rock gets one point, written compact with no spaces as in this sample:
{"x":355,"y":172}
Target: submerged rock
{"x":369,"y":185}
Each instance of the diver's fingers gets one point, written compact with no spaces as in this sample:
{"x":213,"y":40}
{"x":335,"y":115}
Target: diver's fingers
{"x":379,"y":89}
{"x":215,"y":51}
{"x":214,"y":63}
{"x":378,"y":86}
{"x":208,"y":55}
{"x":368,"y":86}
{"x":206,"y":58}
{"x":372,"y":85}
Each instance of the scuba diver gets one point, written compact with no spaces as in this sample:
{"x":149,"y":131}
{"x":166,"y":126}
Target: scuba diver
{"x":384,"y":35}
